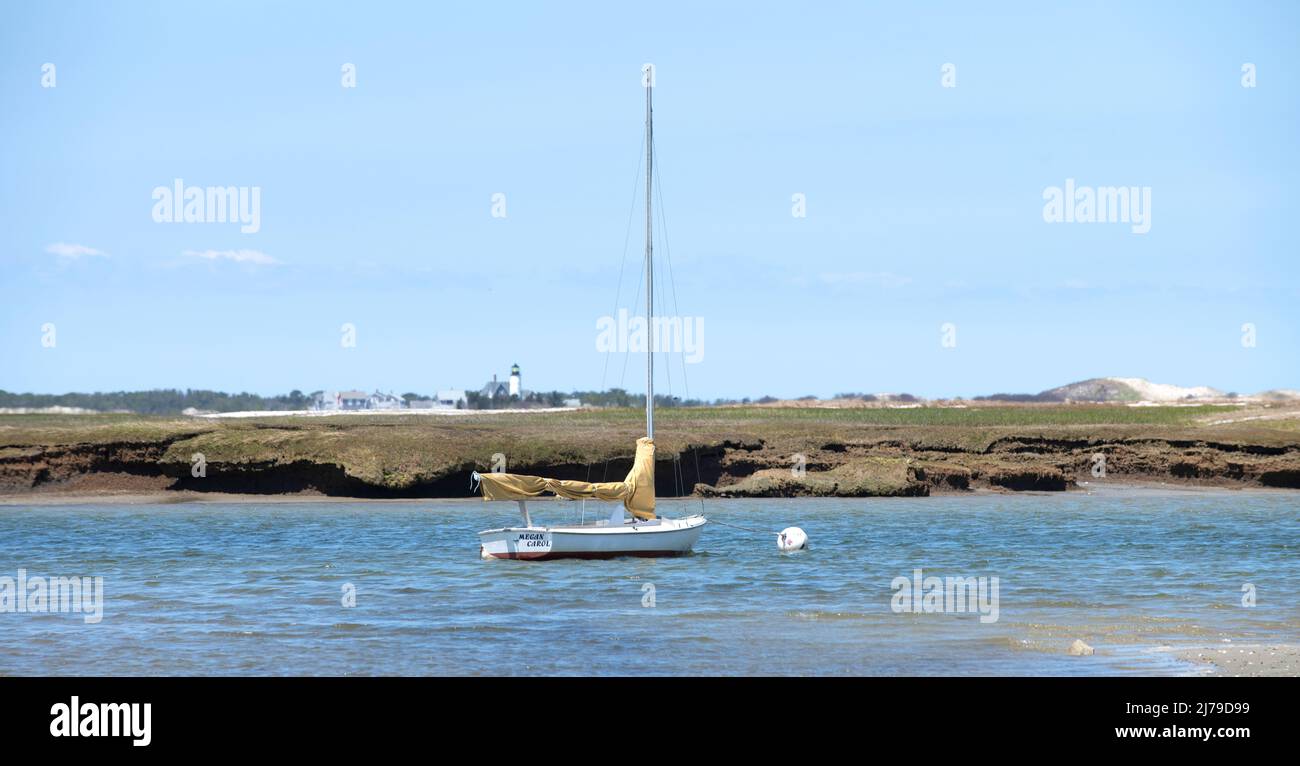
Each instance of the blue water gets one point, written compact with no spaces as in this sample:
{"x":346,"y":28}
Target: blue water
{"x":257,"y":588}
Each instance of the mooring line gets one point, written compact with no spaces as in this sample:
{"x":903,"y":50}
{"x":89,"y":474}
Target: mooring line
{"x":746,"y":529}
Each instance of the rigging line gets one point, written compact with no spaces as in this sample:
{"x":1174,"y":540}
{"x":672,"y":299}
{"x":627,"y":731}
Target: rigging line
{"x":677,"y":485}
{"x":627,"y":239}
{"x":661,"y":302}
{"x":661,"y":306}
{"x":699,"y":478}
{"x":668,"y":257}
{"x":672,"y":282}
{"x":622,"y":378}
{"x":628,"y":355}
{"x":622,"y":267}
{"x":681,"y":478}
{"x":662,"y":311}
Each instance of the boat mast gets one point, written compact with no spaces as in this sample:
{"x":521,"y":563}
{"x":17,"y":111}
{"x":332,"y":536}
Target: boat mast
{"x":648,"y":82}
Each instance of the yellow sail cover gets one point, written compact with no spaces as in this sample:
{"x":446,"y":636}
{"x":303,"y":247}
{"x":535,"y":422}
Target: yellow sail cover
{"x":637,"y":491}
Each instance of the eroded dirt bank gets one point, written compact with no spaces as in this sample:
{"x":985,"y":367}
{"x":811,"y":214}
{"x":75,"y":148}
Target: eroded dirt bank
{"x":901,"y":464}
{"x":1014,"y":463}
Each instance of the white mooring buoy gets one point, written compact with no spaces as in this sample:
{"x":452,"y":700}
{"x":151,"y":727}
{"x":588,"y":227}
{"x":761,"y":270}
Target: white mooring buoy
{"x":791,"y":539}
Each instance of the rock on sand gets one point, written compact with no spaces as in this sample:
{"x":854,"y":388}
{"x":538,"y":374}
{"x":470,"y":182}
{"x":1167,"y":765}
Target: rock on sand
{"x":1079,"y":649}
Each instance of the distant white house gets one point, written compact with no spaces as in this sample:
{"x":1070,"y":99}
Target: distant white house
{"x":453,"y":398}
{"x":340,"y":400}
{"x":381,"y":401}
{"x":352,"y":400}
{"x":494,"y":389}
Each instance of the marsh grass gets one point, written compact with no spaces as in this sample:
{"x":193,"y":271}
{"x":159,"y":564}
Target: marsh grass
{"x":401,"y":449}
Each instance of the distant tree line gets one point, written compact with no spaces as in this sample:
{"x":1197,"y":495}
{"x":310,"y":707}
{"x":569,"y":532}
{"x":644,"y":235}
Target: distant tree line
{"x":166,"y":401}
{"x":614,"y":397}
{"x":170,"y":401}
{"x":1044,"y":397}
{"x":874,"y":398}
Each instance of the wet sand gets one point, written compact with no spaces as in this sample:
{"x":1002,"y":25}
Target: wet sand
{"x":1253,"y":660}
{"x":93,"y":490}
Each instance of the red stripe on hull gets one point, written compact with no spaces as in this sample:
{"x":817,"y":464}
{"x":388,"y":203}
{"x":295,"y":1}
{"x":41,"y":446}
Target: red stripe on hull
{"x":586,"y":555}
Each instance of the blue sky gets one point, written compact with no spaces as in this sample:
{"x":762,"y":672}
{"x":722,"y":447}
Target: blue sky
{"x":924,"y":203}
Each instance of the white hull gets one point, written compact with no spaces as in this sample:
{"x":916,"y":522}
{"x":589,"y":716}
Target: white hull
{"x":658,"y":537}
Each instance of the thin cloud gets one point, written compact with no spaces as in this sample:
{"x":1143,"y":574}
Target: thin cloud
{"x":883,"y":279}
{"x":238,"y":256}
{"x":65,"y":250}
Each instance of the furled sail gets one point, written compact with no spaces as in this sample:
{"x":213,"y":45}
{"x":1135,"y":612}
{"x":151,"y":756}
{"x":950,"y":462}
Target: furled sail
{"x":637,"y":491}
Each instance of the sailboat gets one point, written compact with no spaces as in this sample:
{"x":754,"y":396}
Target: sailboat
{"x":644,"y":533}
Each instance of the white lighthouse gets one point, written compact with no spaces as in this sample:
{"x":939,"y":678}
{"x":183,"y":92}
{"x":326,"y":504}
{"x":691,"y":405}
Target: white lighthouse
{"x":514,"y":380}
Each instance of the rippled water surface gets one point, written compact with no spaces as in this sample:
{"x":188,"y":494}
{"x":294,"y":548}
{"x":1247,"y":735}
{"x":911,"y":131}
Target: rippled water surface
{"x":256,"y":588}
